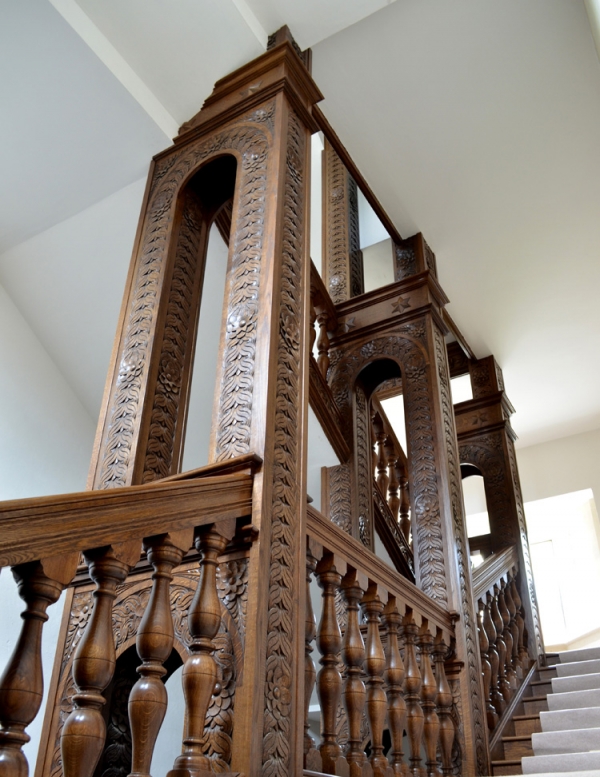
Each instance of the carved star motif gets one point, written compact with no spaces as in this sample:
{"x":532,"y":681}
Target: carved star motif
{"x":401,"y":304}
{"x":349,"y":324}
{"x":480,"y":418}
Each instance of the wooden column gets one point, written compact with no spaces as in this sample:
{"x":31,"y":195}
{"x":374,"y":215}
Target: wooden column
{"x":403,"y":323}
{"x":487,"y":440}
{"x":342,"y":257}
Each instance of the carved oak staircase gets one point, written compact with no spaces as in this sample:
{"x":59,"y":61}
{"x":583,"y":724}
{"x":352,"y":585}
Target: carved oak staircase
{"x":397,"y":643}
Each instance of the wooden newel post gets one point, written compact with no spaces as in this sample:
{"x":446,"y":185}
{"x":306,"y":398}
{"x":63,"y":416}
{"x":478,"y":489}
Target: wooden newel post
{"x":21,"y":685}
{"x":84,"y":731}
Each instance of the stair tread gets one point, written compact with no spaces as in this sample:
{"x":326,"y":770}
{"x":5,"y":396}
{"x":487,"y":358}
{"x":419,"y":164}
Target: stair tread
{"x":516,"y":738}
{"x":508,"y":762}
{"x":527,"y":717}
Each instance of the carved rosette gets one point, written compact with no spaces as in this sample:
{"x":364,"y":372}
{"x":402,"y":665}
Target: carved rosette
{"x":407,"y":345}
{"x":287,"y":499}
{"x":249,"y":143}
{"x":462,"y":551}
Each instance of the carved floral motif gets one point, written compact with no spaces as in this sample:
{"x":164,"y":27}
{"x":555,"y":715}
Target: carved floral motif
{"x":462,"y":552}
{"x":249,"y":143}
{"x":285,"y":539}
{"x":340,"y":503}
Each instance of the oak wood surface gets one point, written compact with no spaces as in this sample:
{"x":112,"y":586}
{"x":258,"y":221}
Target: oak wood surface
{"x":492,"y":570}
{"x":355,"y":554}
{"x":91,"y":519}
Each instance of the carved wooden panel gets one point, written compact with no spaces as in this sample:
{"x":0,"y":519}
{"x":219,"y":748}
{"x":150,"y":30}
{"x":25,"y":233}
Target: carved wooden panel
{"x":461,"y":546}
{"x":363,"y":469}
{"x":285,"y":539}
{"x":128,"y":610}
{"x":339,"y":508}
{"x":343,"y":267}
{"x":248,"y":140}
{"x":406,"y":345}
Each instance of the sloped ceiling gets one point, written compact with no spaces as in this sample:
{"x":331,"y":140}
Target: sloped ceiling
{"x":475,"y":122}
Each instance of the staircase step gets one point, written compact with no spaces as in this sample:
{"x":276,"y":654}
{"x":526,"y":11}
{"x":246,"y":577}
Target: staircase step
{"x":553,"y":658}
{"x":569,"y":719}
{"x":527,"y":724}
{"x":517,"y":746}
{"x":583,"y":654}
{"x":565,"y":762}
{"x":533,"y":704}
{"x":572,"y":700}
{"x":506,"y":767}
{"x":575,"y":773}
{"x":547,"y":672}
{"x":580,"y":682}
{"x":578,"y":667}
{"x":574,"y":741}
{"x":539,"y":687}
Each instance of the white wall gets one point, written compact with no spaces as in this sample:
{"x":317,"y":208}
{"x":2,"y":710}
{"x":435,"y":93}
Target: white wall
{"x":561,"y":466}
{"x":68,"y":283}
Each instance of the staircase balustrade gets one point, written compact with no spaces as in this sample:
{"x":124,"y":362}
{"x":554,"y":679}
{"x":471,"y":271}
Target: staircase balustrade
{"x":502,"y":640}
{"x":388,"y":670}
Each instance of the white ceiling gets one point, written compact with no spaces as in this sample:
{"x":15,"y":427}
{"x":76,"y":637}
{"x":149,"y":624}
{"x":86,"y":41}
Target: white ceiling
{"x":475,"y":122}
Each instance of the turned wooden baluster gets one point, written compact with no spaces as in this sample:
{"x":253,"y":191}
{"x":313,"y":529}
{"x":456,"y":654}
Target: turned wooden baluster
{"x":431,"y":727}
{"x":497,"y":698}
{"x":412,"y":684}
{"x":312,"y":331}
{"x":486,"y":668}
{"x":394,"y":676}
{"x":514,"y":629}
{"x":511,"y":675}
{"x":200,"y":671}
{"x":523,"y":654}
{"x":323,"y":344}
{"x":382,"y":465}
{"x":404,"y":505}
{"x":40,"y":584}
{"x":503,"y":683}
{"x":372,"y":608}
{"x":353,"y":655}
{"x":444,"y":703}
{"x":329,"y":680}
{"x":84,"y":732}
{"x":154,"y":642}
{"x":394,"y":483}
{"x":310,"y":673}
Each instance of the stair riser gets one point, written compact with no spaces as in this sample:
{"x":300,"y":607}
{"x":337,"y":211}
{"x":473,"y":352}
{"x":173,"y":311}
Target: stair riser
{"x":514,"y":750}
{"x":547,"y":674}
{"x":559,"y":742}
{"x":541,"y":689}
{"x":531,"y":707}
{"x":525,"y":727}
{"x":506,"y":769}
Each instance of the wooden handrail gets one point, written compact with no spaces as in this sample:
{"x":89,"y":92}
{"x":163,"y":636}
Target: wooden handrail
{"x":35,"y":528}
{"x":360,"y":558}
{"x":492,"y":569}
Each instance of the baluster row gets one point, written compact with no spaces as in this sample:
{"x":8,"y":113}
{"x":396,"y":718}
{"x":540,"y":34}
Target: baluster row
{"x":387,"y":671}
{"x":84,"y":732}
{"x":390,"y":471}
{"x":502,"y":643}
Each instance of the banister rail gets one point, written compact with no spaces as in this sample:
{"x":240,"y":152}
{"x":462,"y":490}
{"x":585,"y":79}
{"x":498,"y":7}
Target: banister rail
{"x":354,"y":553}
{"x":75,"y":522}
{"x":492,"y":569}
